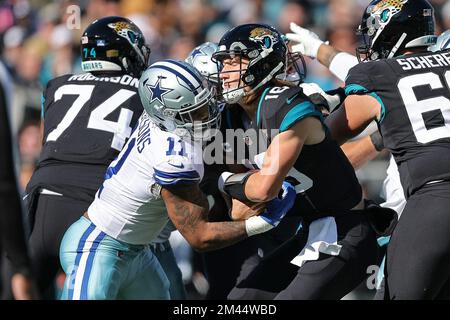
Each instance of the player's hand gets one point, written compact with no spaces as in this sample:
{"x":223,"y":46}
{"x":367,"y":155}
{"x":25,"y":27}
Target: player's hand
{"x":243,"y":211}
{"x":307,"y":42}
{"x":335,"y":98}
{"x":330,"y":99}
{"x":311,"y":88}
{"x":276,"y":209}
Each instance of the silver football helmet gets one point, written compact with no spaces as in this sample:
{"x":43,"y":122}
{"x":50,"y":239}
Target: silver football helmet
{"x":200,"y":58}
{"x":442,"y":43}
{"x":178,"y":99}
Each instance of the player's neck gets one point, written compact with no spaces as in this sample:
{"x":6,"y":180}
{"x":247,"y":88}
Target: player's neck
{"x":413,"y":51}
{"x":250,"y":109}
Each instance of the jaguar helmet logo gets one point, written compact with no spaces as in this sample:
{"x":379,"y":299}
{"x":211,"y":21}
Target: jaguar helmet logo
{"x":125,"y":30}
{"x":264,"y":37}
{"x":382,"y":13}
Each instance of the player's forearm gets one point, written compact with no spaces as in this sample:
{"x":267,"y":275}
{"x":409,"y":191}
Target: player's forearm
{"x":217,"y":235}
{"x":262,"y":188}
{"x":359,"y":152}
{"x":191,"y":219}
{"x":326,"y":54}
{"x":337,"y":61}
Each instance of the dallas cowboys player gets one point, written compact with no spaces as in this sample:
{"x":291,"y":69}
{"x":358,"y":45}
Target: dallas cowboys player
{"x":200,"y":58}
{"x":156,"y":176}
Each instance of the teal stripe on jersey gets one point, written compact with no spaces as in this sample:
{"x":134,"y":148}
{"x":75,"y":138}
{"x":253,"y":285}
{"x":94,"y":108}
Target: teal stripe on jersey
{"x":259,"y":105}
{"x":297,"y":113}
{"x":358,"y":89}
{"x":42,"y":106}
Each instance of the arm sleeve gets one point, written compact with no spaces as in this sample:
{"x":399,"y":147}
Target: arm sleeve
{"x":11,"y":217}
{"x":341,"y":64}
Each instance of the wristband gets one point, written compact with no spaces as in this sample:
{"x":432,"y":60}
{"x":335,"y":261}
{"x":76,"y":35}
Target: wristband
{"x":377,"y":140}
{"x":234,"y":184}
{"x":256,"y":225}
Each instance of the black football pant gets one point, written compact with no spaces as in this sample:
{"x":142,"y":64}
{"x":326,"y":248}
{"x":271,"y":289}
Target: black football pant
{"x":54,"y":215}
{"x":418,"y":254}
{"x":329,"y":277}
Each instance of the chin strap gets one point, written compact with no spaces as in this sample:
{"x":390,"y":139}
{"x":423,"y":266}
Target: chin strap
{"x":397,"y":45}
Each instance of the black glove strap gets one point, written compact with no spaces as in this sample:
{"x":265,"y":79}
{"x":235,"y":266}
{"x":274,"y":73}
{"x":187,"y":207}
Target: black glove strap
{"x":235,"y":186}
{"x":377,"y":140}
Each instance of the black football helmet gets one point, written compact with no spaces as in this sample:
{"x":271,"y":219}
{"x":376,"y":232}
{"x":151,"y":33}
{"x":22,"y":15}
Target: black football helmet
{"x":114,"y":44}
{"x":388,"y":27}
{"x":266,"y":50}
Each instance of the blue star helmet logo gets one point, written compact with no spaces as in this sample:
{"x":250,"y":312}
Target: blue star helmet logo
{"x":196,"y":52}
{"x":157,"y":91}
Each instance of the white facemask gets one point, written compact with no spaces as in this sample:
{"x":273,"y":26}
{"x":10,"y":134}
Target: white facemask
{"x":233,"y":95}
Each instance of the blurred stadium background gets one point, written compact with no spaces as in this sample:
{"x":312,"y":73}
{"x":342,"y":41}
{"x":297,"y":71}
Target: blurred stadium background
{"x":39,"y":40}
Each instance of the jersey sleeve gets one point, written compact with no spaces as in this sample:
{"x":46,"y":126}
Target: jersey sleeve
{"x":358,"y":80}
{"x":46,"y":99}
{"x":289,"y":108}
{"x":361,"y":80}
{"x":176,"y":170}
{"x":48,"y":94}
{"x":179,"y":169}
{"x":298,"y":112}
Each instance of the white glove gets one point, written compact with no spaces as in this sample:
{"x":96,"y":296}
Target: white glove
{"x":309,"y":88}
{"x":308,"y":42}
{"x":333,"y":98}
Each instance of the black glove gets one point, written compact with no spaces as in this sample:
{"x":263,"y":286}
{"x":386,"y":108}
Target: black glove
{"x":383,"y":220}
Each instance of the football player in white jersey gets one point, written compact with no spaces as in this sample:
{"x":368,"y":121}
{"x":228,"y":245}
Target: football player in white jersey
{"x":105,"y":254}
{"x":199,"y":57}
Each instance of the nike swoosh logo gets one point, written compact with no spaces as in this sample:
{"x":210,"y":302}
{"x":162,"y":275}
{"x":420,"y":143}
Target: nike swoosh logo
{"x":181,"y":166}
{"x":289,"y":100}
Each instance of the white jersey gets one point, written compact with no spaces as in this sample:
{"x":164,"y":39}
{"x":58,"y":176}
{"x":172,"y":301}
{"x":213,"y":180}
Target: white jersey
{"x":164,"y":235}
{"x":128,"y":206}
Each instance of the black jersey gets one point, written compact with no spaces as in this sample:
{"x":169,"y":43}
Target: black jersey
{"x":87,"y":120}
{"x":414,"y":94}
{"x":324,"y":176}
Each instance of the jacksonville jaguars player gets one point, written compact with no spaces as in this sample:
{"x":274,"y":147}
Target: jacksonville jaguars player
{"x":233,"y":118}
{"x":366,"y":148}
{"x":155,"y":177}
{"x":405,"y":88}
{"x":334,"y":232}
{"x":87,"y":119}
